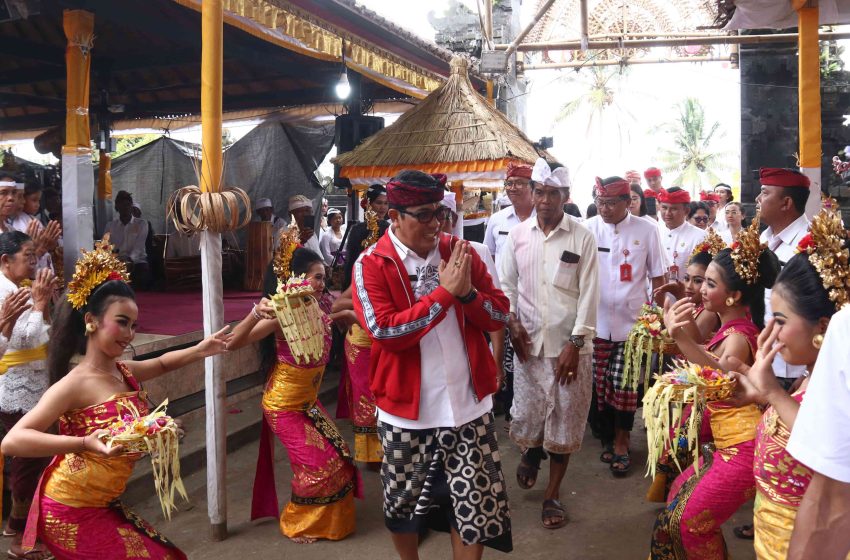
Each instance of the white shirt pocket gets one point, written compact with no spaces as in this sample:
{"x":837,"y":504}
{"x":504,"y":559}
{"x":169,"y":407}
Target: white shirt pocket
{"x":566,"y":277}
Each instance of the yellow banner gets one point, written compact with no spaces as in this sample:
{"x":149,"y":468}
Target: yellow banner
{"x":79,"y":30}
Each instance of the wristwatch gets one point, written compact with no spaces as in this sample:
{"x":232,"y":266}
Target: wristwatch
{"x":470,"y":297}
{"x":577,"y":341}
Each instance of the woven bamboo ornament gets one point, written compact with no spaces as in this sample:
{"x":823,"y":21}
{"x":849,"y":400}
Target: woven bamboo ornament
{"x":646,"y":337}
{"x":664,"y":403}
{"x":301,"y":320}
{"x":217,"y":212}
{"x":157,"y":435}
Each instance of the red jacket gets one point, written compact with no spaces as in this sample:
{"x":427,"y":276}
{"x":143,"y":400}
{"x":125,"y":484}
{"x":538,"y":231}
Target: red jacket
{"x":396,"y":321}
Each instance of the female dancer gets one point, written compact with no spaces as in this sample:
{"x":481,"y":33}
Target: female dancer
{"x":700,"y":501}
{"x":802,"y":308}
{"x":324,"y":479}
{"x":26,"y":378}
{"x":76,"y":511}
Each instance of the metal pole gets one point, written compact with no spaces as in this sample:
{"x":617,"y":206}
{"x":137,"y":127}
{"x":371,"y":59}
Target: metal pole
{"x":574,"y":45}
{"x":626,"y":61}
{"x":540,"y":13}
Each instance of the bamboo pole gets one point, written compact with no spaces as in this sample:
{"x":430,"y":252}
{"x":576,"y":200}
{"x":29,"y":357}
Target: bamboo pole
{"x":626,"y":61}
{"x":488,"y":22}
{"x":212,"y":37}
{"x":527,"y":29}
{"x":809,"y":109}
{"x":585,"y":39}
{"x":575,"y":44}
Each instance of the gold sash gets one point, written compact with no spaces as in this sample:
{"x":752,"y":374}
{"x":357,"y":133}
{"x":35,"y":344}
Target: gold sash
{"x":292,"y":388}
{"x":734,"y":425}
{"x":358,"y":336}
{"x":16,"y":358}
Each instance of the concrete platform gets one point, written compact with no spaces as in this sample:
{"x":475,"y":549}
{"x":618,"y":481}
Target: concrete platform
{"x":609,"y":518}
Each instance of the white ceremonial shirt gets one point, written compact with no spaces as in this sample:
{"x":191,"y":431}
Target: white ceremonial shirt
{"x":784,"y":245}
{"x":129,"y":238}
{"x":620,"y":301}
{"x":487,"y":257}
{"x":553,"y":299}
{"x":820,"y":438}
{"x":499,"y":226}
{"x":678,"y":244}
{"x":330,"y":244}
{"x":446,"y":395}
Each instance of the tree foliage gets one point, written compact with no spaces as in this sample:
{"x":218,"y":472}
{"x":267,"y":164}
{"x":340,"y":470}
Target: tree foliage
{"x":695,"y":155}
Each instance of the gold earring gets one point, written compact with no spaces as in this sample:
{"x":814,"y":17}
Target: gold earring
{"x":817,"y":341}
{"x":730,"y":301}
{"x":90,"y":328}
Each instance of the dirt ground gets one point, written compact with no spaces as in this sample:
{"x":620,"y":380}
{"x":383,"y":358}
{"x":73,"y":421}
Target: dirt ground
{"x":609,"y":518}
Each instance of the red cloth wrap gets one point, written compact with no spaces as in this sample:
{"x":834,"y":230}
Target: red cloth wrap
{"x":652,"y":172}
{"x":402,"y":194}
{"x":779,"y":177}
{"x":678,"y":197}
{"x":521,"y":170}
{"x":617,"y":187}
{"x":709,"y":196}
{"x":633,"y":176}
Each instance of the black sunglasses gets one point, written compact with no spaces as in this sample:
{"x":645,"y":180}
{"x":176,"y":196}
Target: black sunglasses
{"x":427,"y":216}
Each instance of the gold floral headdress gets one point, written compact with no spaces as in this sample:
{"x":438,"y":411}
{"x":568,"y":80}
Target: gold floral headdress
{"x":93,"y":269}
{"x":712,"y":244}
{"x":824,"y":244}
{"x":746,"y":251}
{"x":372,"y":227}
{"x":288,"y":241}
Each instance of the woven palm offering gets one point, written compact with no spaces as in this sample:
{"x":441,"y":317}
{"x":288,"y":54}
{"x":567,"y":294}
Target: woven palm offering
{"x":300,"y":319}
{"x":647,"y":336}
{"x":155,"y":434}
{"x":664,"y":404}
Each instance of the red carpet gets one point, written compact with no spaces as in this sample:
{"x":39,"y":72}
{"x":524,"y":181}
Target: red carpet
{"x":176,"y":313}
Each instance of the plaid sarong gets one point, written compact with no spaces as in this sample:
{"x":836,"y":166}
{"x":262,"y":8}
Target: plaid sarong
{"x":608,"y":366}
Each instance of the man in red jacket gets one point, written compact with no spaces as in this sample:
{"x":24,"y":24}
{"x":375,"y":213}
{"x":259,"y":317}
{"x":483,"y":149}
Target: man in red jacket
{"x":426,"y":300}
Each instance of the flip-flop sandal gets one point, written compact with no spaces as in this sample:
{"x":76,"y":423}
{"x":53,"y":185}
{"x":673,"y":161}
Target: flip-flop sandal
{"x":8,"y":533}
{"x":529,"y":465}
{"x":553,"y":509}
{"x":46,"y":555}
{"x":744,"y":532}
{"x":625,"y":461}
{"x":608,"y":455}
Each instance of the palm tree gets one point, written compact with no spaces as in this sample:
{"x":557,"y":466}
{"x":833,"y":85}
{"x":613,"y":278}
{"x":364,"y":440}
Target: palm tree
{"x":695,"y":158}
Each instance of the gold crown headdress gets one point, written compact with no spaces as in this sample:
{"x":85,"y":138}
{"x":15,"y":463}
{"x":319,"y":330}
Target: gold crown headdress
{"x":712,"y":244}
{"x":288,"y":241}
{"x":824,"y":244}
{"x":372,"y":227}
{"x":746,"y":251}
{"x":93,"y":269}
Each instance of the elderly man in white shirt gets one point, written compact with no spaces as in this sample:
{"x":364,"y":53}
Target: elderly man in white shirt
{"x":549,"y":274}
{"x":264,"y":212}
{"x":678,"y":237}
{"x":629,"y":258}
{"x":782,"y":203}
{"x":301,"y":209}
{"x":128,"y":235}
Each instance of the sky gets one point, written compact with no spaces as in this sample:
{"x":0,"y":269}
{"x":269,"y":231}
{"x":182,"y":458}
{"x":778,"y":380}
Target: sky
{"x":645,"y":98}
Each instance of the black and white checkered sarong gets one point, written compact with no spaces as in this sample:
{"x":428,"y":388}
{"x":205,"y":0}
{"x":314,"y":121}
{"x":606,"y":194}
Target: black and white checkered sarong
{"x":446,"y":477}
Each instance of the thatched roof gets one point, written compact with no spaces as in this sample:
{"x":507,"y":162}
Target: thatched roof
{"x":454,"y":131}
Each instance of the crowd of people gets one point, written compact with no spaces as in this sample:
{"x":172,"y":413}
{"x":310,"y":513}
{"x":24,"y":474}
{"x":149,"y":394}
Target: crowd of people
{"x":440,"y":334}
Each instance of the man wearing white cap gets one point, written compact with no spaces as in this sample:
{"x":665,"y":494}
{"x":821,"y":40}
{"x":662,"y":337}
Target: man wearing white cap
{"x":301,"y":209}
{"x":549,"y":272}
{"x":265,"y":213}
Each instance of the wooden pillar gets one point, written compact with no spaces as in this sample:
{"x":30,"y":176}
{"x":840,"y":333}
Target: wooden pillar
{"x":809,"y":100}
{"x":212,"y":33}
{"x":77,"y":170}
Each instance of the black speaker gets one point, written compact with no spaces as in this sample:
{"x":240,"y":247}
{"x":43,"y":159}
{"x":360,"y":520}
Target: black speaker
{"x":350,"y":131}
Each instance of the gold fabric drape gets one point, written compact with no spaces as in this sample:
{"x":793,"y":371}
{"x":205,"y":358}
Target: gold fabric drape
{"x":212,"y":75}
{"x":79,"y":30}
{"x":289,"y":27}
{"x":809,"y":89}
{"x":104,"y":177}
